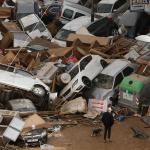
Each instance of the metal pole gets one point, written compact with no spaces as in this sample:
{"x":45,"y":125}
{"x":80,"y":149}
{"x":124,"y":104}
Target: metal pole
{"x":92,"y":11}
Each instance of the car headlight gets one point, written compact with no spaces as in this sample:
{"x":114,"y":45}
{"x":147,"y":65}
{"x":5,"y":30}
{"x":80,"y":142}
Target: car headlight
{"x":44,"y":133}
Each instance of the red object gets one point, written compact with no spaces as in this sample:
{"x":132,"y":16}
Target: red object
{"x":2,"y":51}
{"x":72,"y":59}
{"x":1,"y":2}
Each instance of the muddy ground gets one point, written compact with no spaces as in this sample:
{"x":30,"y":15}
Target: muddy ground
{"x":79,"y":137}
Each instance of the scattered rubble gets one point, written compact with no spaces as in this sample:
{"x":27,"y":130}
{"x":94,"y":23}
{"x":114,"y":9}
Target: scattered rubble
{"x":138,"y":133}
{"x":45,"y":88}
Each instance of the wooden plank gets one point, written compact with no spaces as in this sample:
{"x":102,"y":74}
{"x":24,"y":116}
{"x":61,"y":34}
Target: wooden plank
{"x":93,"y":51}
{"x":5,"y":12}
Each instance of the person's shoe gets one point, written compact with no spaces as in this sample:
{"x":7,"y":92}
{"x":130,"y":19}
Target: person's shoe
{"x":105,"y":141}
{"x":109,"y":140}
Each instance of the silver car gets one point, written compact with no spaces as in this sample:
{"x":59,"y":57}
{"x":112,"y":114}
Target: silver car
{"x":20,"y":79}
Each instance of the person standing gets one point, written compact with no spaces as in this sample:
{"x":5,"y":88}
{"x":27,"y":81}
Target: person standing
{"x":108,"y":121}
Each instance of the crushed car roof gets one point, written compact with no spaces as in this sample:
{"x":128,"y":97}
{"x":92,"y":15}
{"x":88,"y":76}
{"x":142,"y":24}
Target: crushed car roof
{"x":115,"y":67}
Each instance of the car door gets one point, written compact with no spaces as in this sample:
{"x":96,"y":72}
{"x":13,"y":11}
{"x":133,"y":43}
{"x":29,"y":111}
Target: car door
{"x":24,"y":80}
{"x":7,"y":76}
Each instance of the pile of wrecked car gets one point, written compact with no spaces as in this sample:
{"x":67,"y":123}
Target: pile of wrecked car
{"x":51,"y":65}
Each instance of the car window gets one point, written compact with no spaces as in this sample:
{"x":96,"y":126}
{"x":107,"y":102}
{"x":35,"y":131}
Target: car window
{"x":118,"y":79}
{"x":100,"y":27}
{"x":24,"y":73}
{"x":127,"y":71}
{"x":103,"y":63}
{"x":118,"y":4}
{"x":63,"y":34}
{"x":39,"y":25}
{"x":103,"y":81}
{"x":97,"y":23}
{"x":104,"y":8}
{"x":84,"y":62}
{"x":7,"y":68}
{"x":68,"y":13}
{"x":74,"y":72}
{"x":78,"y":15}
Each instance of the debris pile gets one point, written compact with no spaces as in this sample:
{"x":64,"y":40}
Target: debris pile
{"x":45,"y":87}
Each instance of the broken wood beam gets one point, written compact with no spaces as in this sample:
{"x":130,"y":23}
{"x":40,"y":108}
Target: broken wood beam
{"x":41,"y":113}
{"x":93,"y":51}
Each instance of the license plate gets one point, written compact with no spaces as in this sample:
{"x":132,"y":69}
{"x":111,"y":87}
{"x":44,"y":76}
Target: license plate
{"x":32,"y":140}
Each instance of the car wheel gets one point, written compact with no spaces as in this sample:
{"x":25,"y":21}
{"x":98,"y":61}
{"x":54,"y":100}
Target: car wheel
{"x":39,"y":90}
{"x":87,"y":82}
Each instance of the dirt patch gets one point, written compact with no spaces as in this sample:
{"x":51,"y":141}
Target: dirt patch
{"x":79,"y":137}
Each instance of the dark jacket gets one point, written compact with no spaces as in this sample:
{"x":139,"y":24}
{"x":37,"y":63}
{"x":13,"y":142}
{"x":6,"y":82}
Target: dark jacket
{"x":107,"y":119}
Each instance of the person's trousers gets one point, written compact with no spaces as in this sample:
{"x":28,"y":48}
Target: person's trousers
{"x":107,"y":132}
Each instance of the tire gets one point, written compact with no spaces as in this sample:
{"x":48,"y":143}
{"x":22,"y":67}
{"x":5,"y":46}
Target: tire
{"x":87,"y":82}
{"x":38,"y":90}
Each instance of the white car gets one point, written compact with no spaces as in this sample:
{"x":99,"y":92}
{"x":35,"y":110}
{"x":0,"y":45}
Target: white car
{"x":107,"y":81}
{"x":71,"y":27}
{"x":82,"y":74}
{"x":72,"y":11}
{"x":111,"y":8}
{"x":34,"y":27}
{"x":20,"y":79}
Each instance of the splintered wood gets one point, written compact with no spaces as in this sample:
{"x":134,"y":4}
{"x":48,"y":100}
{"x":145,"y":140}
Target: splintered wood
{"x":117,"y":49}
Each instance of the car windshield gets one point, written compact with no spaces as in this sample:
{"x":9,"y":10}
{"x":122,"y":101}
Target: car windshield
{"x":35,"y":26}
{"x":103,"y":81}
{"x":63,"y":34}
{"x":104,"y":8}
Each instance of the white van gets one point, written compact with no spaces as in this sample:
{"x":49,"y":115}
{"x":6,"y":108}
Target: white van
{"x":104,"y":85}
{"x":112,"y":8}
{"x":69,"y":28}
{"x":71,"y":11}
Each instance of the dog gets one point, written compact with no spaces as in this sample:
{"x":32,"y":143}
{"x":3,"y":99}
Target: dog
{"x":96,"y":132}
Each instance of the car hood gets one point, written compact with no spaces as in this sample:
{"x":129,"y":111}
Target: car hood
{"x":99,"y":93}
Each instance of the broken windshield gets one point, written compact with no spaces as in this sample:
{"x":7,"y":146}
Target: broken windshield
{"x":103,"y":81}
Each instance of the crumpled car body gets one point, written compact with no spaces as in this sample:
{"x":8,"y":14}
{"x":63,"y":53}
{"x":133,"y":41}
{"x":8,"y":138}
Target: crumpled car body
{"x":35,"y":137}
{"x":21,"y":105}
{"x":82,"y":74}
{"x":34,"y":26}
{"x":105,"y":84}
{"x":20,"y":79}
